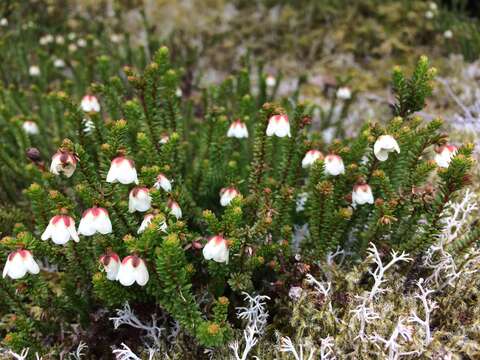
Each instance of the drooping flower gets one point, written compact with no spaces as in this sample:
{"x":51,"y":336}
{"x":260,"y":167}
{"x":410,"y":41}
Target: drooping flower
{"x":310,"y":157}
{"x":147,"y":220}
{"x":238,"y":129}
{"x":59,"y":39}
{"x":122,"y":170}
{"x":216,"y":249}
{"x":139,"y":199}
{"x":227,"y":195}
{"x":30,"y":127}
{"x":444,"y":155}
{"x":362,"y":194}
{"x":34,"y":70}
{"x":45,"y":39}
{"x":59,"y":63}
{"x":163,"y":182}
{"x":19,"y":263}
{"x":344,"y":93}
{"x":334,"y":165}
{"x":81,"y":42}
{"x":133,"y":269}
{"x":111,"y":264}
{"x":448,"y":34}
{"x":271,"y":81}
{"x":60,"y":229}
{"x":278,"y":125}
{"x":95,"y":220}
{"x":4,"y":22}
{"x":164,"y":139}
{"x":90,"y":103}
{"x":64,"y":162}
{"x":384,"y":145}
{"x":175,"y":209}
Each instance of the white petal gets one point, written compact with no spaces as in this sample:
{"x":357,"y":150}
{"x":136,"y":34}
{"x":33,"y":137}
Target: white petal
{"x":6,"y":268}
{"x":32,"y":265}
{"x":72,"y":231}
{"x":86,"y":226}
{"x":141,"y":273}
{"x":271,"y":128}
{"x":47,"y":233}
{"x":126,"y":274}
{"x":103,"y":224}
{"x":60,"y":235}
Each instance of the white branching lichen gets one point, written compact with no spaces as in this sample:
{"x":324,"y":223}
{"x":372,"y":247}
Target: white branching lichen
{"x":153,"y":332}
{"x":256,"y":315}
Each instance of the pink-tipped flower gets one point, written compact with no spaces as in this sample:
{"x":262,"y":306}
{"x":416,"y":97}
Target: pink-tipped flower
{"x":444,"y":155}
{"x":60,"y":229}
{"x":147,"y":220}
{"x":362,"y":194}
{"x":227,"y":195}
{"x":111,"y":264}
{"x":90,"y":104}
{"x":278,"y":125}
{"x":19,"y":263}
{"x":132,"y":269}
{"x":310,"y":157}
{"x":238,"y":129}
{"x":122,"y":170}
{"x":164,"y":139}
{"x":139,"y":199}
{"x":63,"y":162}
{"x":334,"y":165}
{"x":95,"y":220}
{"x":175,"y":209}
{"x":163,"y":182}
{"x":30,"y":127}
{"x":384,"y":145}
{"x":216,"y":249}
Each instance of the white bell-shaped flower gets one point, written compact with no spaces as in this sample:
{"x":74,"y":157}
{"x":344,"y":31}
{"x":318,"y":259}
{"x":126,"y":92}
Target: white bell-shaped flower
{"x":60,"y":229}
{"x":63,"y":162}
{"x":444,"y":155}
{"x":344,"y":93}
{"x":122,"y":170}
{"x":164,"y":139}
{"x":384,"y":145}
{"x":310,"y":157}
{"x":95,"y":220}
{"x":30,"y":127}
{"x":175,"y":209}
{"x":278,"y":125}
{"x":34,"y":70}
{"x":362,"y":194}
{"x":139,"y":199}
{"x":227,"y":195}
{"x":46,"y":39}
{"x":334,"y":165}
{"x":133,"y":269}
{"x":163,"y":183}
{"x":238,"y":129}
{"x":111,"y":264}
{"x":147,"y":220}
{"x":90,"y":103}
{"x":59,"y":63}
{"x":270,"y":81}
{"x":19,"y":263}
{"x":216,"y":249}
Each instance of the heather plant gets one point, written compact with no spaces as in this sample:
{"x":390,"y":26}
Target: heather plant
{"x":162,"y":201}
